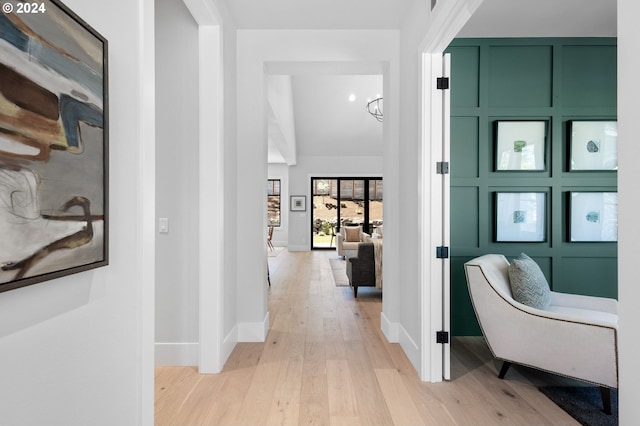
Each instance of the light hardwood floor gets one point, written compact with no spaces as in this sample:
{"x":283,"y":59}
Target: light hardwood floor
{"x":326,"y":362}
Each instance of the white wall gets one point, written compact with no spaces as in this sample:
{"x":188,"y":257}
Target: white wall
{"x":410,"y":152}
{"x":79,"y":350}
{"x":628,"y":231}
{"x":300,"y":184}
{"x":282,"y":130}
{"x":231,"y":166}
{"x":176,"y":184}
{"x":255,"y":49}
{"x":281,"y":233}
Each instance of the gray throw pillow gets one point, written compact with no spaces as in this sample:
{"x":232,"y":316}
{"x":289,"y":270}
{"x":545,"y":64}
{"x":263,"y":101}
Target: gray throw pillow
{"x":528,"y":284}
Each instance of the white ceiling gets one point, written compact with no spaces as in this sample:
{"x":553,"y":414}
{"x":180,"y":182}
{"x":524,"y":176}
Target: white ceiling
{"x":326,"y":123}
{"x":543,"y":18}
{"x":318,"y":14}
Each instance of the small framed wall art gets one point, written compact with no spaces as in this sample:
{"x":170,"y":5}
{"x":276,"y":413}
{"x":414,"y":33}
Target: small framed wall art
{"x":520,"y":216}
{"x":593,"y":216}
{"x":298,"y":203}
{"x":520,"y":145}
{"x":593,"y":145}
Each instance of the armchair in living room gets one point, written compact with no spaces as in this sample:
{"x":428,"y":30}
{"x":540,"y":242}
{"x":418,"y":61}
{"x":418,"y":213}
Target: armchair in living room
{"x":348,"y":238}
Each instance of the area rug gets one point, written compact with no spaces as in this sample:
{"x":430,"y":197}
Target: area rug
{"x":339,"y":270}
{"x":584,"y":404}
{"x":276,"y":251}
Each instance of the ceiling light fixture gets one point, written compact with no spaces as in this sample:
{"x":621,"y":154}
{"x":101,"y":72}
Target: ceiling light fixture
{"x":374,"y":108}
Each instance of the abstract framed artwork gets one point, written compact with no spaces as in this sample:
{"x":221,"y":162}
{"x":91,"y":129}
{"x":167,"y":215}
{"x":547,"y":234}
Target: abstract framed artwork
{"x":298,"y":203}
{"x":520,"y":145}
{"x":53,"y":145}
{"x":520,"y":216}
{"x":593,"y":145}
{"x":593,"y":216}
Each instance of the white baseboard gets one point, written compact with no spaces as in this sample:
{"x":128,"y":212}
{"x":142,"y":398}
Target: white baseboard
{"x":410,"y":348}
{"x":176,"y":354}
{"x":230,"y":341}
{"x":253,"y":331}
{"x":391,"y":330}
{"x":187,"y":354}
{"x":299,"y":248}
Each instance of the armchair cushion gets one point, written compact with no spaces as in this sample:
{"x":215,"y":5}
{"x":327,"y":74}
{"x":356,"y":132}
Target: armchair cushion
{"x":352,"y":233}
{"x":528,"y":284}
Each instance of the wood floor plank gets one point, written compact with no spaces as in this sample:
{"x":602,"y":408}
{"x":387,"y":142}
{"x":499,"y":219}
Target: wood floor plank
{"x":244,"y":355}
{"x":285,"y":405}
{"x":372,"y":408}
{"x":314,"y":399}
{"x":345,"y":421}
{"x":226,"y":407}
{"x":256,"y":406}
{"x":401,"y":406}
{"x":173,"y":388}
{"x":348,"y":323}
{"x":376,"y":342}
{"x":432,"y":409}
{"x":201,"y":401}
{"x":342,"y":398}
{"x":333,"y":341}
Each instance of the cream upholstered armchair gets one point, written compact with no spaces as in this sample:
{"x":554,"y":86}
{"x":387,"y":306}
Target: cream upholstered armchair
{"x":349,"y":237}
{"x":574,"y":336}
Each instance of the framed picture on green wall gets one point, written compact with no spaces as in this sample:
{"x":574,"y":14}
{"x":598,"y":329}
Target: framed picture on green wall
{"x":593,"y":216}
{"x":520,"y":216}
{"x":520,"y":145}
{"x":593,"y":145}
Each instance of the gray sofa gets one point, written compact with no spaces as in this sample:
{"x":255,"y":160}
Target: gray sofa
{"x":361,"y":269}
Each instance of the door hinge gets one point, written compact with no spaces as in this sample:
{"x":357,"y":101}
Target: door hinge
{"x":442,"y":83}
{"x":442,"y":337}
{"x":442,"y":252}
{"x":442,"y":167}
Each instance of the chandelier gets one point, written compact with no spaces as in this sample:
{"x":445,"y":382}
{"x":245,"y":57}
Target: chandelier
{"x":374,"y":108}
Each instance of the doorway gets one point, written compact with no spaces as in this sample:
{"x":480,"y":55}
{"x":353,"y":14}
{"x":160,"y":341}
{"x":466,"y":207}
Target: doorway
{"x":340,"y":201}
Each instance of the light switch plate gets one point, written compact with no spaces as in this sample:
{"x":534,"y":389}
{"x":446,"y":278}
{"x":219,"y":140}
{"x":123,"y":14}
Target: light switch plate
{"x":163,"y":225}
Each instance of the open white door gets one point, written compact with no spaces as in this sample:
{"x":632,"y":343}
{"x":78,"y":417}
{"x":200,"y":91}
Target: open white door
{"x":446,"y":188}
{"x":435,"y":219}
{"x":446,"y":21}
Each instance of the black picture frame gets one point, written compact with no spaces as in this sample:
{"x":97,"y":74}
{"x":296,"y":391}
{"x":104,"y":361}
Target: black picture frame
{"x":592,"y":216}
{"x":520,"y":145}
{"x":592,"y":145}
{"x":520,"y":217}
{"x":54,"y":172}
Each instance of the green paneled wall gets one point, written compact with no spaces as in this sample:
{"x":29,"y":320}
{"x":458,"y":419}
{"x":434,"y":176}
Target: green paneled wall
{"x":555,"y":80}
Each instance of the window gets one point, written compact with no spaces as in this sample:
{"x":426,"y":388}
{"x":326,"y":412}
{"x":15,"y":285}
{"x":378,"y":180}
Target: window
{"x":342,"y":201}
{"x":273,"y":202}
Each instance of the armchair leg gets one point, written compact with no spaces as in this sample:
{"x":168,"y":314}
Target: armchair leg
{"x":355,"y":291}
{"x":605,"y":393}
{"x":504,"y":369}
